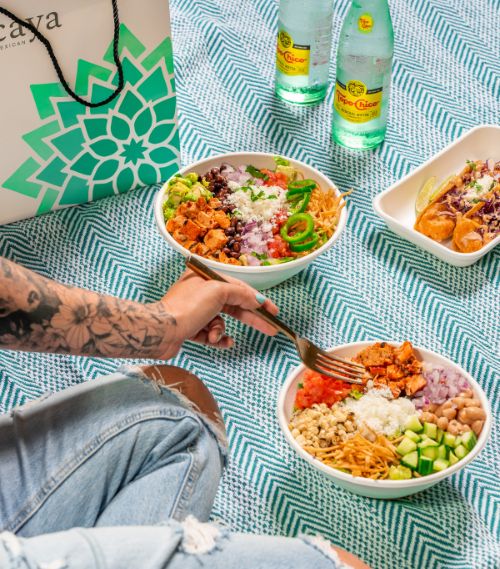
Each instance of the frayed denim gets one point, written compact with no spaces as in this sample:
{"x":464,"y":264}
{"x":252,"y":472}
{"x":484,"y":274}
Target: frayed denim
{"x":120,"y":473}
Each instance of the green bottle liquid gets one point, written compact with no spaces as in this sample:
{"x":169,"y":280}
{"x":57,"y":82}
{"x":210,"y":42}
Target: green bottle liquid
{"x":364,"y":60}
{"x":303,"y":50}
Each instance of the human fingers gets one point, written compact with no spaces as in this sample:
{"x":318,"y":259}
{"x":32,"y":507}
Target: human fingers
{"x":216,"y":330}
{"x":251,"y":319}
{"x":202,"y":338}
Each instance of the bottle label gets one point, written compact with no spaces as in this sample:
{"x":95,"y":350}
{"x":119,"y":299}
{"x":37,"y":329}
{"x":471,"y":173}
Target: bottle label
{"x":355,"y":103}
{"x":365,"y":23}
{"x":292,"y":58}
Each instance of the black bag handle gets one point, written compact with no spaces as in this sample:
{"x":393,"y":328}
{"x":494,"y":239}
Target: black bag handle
{"x":57,"y":67}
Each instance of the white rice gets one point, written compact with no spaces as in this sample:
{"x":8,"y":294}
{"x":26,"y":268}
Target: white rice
{"x":383,"y":415}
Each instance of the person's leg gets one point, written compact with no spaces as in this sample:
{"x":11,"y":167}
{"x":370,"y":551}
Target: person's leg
{"x":186,"y":545}
{"x":120,"y":450}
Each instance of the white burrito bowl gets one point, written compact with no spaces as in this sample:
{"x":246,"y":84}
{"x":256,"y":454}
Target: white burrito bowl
{"x":259,"y":277}
{"x":386,"y":489}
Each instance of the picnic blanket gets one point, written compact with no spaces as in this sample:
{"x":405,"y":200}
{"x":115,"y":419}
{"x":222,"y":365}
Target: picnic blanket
{"x":371,"y":285}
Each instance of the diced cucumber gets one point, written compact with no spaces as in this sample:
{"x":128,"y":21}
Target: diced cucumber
{"x":469,"y":440}
{"x":399,"y":473}
{"x":461,"y":451}
{"x":412,"y":435}
{"x":425,"y":465}
{"x":440,"y":464}
{"x":429,"y":452}
{"x":452,"y":458}
{"x":442,"y":452}
{"x":424,"y":437}
{"x":427,"y":443}
{"x":406,"y":446}
{"x":430,"y":429}
{"x":458,"y":441}
{"x":450,"y":440}
{"x":410,"y":460}
{"x":413,"y":424}
{"x":440,"y":435}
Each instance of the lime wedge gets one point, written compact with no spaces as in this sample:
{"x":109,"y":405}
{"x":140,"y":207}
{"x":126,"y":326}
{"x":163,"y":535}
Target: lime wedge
{"x":424,"y":195}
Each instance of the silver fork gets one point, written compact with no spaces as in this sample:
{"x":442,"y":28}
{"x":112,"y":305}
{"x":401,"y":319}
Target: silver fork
{"x":313,"y":357}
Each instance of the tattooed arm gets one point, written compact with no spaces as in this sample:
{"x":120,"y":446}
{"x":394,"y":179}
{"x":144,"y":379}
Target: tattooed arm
{"x":40,"y":315}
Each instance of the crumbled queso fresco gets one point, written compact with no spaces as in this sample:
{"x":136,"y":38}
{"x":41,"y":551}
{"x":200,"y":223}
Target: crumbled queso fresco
{"x":256,"y":203}
{"x":381,"y":414}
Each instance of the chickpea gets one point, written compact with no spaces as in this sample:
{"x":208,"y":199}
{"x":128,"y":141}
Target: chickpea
{"x":442,"y":423}
{"x":439,"y":411}
{"x":427,"y":417}
{"x":471,"y":414}
{"x":450,"y":413}
{"x":459,"y":402}
{"x":467,"y":394}
{"x":448,"y":405}
{"x":454,"y":427}
{"x":464,"y":429}
{"x":473,"y":403}
{"x":477,"y":427}
{"x":431,"y":407}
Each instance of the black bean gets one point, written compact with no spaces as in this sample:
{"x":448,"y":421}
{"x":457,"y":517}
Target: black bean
{"x":230,"y":231}
{"x":230,"y":243}
{"x":235,"y":255}
{"x":236,"y":247}
{"x":226,"y":250}
{"x":237,"y":238}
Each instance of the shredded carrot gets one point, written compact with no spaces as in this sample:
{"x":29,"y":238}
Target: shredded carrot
{"x":359,"y":456}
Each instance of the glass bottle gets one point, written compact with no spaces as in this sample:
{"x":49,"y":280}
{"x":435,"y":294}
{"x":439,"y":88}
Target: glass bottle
{"x":364,"y":60}
{"x":303,"y":50}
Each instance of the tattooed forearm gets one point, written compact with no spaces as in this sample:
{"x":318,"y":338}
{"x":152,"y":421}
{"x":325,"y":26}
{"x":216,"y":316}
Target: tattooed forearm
{"x":38,"y":314}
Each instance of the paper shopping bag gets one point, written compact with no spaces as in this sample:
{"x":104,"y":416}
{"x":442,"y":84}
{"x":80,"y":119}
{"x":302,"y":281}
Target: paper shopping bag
{"x":57,"y":55}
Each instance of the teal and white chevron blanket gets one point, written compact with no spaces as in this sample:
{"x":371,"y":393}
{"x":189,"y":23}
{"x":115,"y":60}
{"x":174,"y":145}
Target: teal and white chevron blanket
{"x":372,"y":285}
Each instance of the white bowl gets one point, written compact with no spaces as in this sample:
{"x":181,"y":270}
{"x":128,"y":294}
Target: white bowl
{"x":258,"y":277}
{"x":396,"y":205}
{"x":387,"y":489}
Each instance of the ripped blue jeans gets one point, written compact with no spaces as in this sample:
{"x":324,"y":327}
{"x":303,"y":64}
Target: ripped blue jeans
{"x":122,"y":473}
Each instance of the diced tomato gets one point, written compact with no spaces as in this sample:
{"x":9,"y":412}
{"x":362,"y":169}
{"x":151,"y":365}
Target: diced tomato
{"x":275,"y":179}
{"x":318,"y":388}
{"x":278,"y":248}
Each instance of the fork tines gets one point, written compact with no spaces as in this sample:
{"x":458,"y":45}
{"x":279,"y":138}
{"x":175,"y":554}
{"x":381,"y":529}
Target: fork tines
{"x":338,"y":368}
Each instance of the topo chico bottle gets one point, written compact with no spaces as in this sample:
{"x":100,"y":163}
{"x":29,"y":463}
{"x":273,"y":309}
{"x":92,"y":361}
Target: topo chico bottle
{"x":303,"y":50}
{"x":364,"y":60}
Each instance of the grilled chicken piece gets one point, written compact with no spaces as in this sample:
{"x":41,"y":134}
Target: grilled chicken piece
{"x":215,"y":239}
{"x":380,"y":354}
{"x":222,"y":219}
{"x":415,"y":383}
{"x":191,"y":230}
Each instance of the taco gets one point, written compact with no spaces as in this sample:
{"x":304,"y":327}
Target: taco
{"x":467,"y":209}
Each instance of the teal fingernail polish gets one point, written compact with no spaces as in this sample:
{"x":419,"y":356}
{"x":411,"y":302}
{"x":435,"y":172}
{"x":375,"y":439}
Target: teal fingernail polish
{"x":260,"y":298}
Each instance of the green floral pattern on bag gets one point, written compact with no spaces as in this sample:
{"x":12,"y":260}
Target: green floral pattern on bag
{"x":82,"y":153}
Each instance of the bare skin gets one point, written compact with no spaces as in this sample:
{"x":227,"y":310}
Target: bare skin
{"x":40,"y":315}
